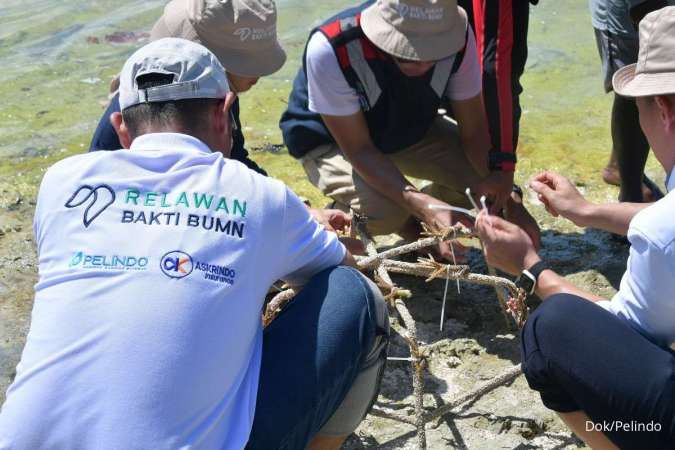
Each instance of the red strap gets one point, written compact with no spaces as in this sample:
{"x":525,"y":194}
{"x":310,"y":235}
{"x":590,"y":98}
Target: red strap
{"x":343,"y":57}
{"x":331,"y":29}
{"x":503,"y":69}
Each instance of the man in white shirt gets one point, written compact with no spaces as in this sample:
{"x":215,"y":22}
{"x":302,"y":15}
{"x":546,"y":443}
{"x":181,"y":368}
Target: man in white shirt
{"x":607,"y":367}
{"x":154,"y":264}
{"x":364,"y":115}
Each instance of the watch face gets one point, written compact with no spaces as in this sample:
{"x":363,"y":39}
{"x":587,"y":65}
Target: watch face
{"x":526,"y":281}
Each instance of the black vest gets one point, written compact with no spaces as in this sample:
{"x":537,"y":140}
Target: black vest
{"x":399,"y":110}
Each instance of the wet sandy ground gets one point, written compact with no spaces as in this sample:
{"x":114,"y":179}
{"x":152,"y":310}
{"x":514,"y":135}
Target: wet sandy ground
{"x":474,"y":346}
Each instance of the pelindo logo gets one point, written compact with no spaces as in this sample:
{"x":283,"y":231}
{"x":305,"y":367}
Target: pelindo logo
{"x":76,"y":259}
{"x":176,"y":264}
{"x":108,"y":262}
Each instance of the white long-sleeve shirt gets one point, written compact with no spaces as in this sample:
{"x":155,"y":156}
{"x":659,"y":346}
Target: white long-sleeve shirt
{"x":646,"y":297}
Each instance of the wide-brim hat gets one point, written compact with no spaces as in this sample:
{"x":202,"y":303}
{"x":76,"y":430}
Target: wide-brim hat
{"x":417,"y":30}
{"x":654,"y":72}
{"x":241,"y":33}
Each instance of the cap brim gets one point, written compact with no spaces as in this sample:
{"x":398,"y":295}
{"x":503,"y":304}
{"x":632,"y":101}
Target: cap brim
{"x":248,"y":64}
{"x":421,"y":47}
{"x":628,"y":83}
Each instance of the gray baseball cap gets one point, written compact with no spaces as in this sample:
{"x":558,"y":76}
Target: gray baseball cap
{"x":654,"y":72}
{"x":196,"y":71}
{"x":242,"y":33}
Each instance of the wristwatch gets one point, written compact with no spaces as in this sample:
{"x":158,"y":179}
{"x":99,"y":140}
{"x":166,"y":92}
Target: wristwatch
{"x":528,"y":278}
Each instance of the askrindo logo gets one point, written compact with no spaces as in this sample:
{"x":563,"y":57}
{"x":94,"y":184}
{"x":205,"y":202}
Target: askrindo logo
{"x":176,"y":264}
{"x":84,"y":260}
{"x":102,"y":196}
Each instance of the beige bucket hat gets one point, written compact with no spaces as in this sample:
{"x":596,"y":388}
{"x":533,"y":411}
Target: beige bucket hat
{"x":419,"y":30}
{"x":654,"y":72}
{"x":241,"y":33}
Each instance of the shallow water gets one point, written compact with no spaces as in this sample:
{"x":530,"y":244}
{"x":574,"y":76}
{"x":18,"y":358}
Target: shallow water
{"x":54,"y":80}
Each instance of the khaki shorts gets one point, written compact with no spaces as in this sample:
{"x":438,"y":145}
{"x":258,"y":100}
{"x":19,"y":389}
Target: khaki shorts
{"x":437,"y":158}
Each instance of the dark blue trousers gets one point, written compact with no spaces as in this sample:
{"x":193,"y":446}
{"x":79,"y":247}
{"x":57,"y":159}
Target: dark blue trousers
{"x":312,"y":353}
{"x":581,"y":357}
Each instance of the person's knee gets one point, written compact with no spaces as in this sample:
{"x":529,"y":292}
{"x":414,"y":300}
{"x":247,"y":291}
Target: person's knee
{"x":554,"y":316}
{"x":364,"y":389}
{"x":364,"y":294}
{"x":547,"y":326}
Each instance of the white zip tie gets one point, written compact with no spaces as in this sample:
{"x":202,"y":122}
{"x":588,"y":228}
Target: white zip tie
{"x":452,"y":208}
{"x":454,"y":260}
{"x":445,"y":293}
{"x":394,"y":358}
{"x":473,"y":202}
{"x":487,"y":212}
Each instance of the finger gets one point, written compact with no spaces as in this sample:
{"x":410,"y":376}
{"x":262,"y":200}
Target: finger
{"x":549,"y":209}
{"x":542,"y":188}
{"x":547,"y":178}
{"x":542,"y":177}
{"x":556,"y":181}
{"x":498,"y":223}
{"x":500,"y":203}
{"x":485,"y":231}
{"x":481,"y":219}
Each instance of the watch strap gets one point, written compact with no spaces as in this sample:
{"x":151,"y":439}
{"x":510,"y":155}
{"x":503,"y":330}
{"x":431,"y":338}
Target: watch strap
{"x":538,"y":268}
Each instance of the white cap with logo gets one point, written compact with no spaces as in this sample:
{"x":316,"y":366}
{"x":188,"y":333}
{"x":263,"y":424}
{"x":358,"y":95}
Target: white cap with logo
{"x":196,"y":72}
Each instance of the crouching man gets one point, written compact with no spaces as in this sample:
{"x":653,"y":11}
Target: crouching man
{"x":154,"y":263}
{"x":607,"y":367}
{"x":363,"y":118}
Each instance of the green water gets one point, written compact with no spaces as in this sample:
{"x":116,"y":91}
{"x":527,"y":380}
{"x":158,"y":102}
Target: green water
{"x":54,"y":86}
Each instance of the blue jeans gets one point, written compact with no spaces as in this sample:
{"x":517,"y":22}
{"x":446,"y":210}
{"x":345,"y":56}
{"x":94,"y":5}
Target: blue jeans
{"x":581,"y":357}
{"x":316,"y":353}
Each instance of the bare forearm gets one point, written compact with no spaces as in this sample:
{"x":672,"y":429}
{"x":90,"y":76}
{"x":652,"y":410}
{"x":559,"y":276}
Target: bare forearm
{"x":476,"y":147}
{"x":349,"y":260}
{"x":612,"y":217}
{"x":380,"y":172}
{"x":550,"y":283}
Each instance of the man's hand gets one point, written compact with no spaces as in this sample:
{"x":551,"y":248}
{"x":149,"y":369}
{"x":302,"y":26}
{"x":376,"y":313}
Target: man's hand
{"x":497,"y":187}
{"x":506,"y":245}
{"x":335,"y":220}
{"x":560,"y":197}
{"x":439,"y":220}
{"x":332,"y":219}
{"x":516,"y":213}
